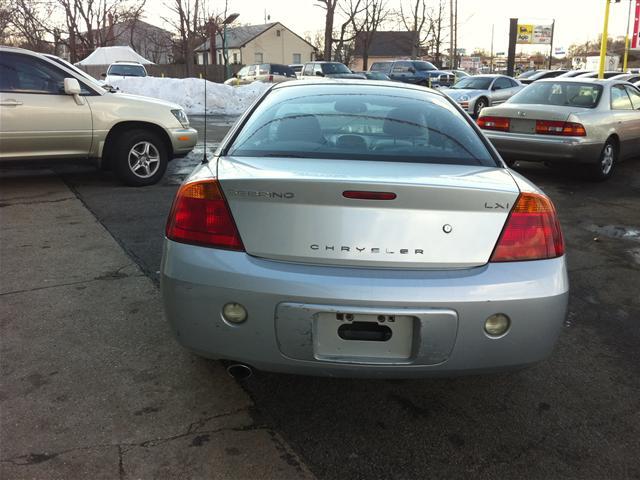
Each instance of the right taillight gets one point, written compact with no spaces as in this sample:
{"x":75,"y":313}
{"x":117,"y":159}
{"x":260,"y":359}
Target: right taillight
{"x":200,"y":216}
{"x":532,"y":231}
{"x":494,"y":123}
{"x":566,"y":129}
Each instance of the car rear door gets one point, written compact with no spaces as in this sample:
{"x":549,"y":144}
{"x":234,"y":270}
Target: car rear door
{"x":37,"y":119}
{"x":501,"y":90}
{"x":634,"y":120}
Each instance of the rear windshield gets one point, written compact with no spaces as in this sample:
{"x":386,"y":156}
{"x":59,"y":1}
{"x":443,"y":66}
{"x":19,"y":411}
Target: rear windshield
{"x":381,"y":67}
{"x":421,"y":66}
{"x":473,"y":83}
{"x":127,"y":70}
{"x":276,"y":69}
{"x":528,"y":73}
{"x":334,"y":68}
{"x":372,"y":123}
{"x":568,"y":94}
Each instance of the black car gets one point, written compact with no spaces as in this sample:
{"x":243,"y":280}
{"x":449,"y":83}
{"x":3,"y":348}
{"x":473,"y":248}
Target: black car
{"x":417,"y":72}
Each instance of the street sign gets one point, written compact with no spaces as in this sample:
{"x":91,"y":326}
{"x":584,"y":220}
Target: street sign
{"x":529,"y":34}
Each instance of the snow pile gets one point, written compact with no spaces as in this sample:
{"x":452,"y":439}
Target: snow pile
{"x":189,"y":93}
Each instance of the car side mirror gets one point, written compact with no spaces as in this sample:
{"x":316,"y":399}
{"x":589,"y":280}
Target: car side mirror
{"x":319,"y":74}
{"x":103,"y":75}
{"x":72,"y":87}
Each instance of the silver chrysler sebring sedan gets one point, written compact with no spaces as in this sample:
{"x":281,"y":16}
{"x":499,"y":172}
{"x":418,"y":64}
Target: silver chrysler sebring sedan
{"x":366,"y":230}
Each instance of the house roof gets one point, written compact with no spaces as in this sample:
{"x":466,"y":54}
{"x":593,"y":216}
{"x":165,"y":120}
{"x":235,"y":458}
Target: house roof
{"x":238,"y":37}
{"x":386,"y":44}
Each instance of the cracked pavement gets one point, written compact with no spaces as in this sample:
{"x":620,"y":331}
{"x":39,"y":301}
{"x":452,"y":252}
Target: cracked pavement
{"x":93,"y":385}
{"x":576,"y":415}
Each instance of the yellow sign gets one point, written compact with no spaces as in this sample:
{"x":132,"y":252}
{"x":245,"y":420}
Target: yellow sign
{"x":525,"y":34}
{"x":530,"y":34}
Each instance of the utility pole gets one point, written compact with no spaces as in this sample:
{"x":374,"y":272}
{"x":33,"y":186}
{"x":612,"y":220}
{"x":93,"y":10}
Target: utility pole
{"x":553,"y":26}
{"x":626,"y":40}
{"x":491,"y":64}
{"x":451,"y":32}
{"x":455,"y":43}
{"x":603,"y":42}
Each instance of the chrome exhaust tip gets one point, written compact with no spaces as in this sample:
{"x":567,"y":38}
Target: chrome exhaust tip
{"x":239,"y":371}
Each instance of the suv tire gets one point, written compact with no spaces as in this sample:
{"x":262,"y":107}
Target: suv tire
{"x":139,"y":157}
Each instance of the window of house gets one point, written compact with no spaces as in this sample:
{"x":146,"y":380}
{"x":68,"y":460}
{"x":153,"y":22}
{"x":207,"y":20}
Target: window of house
{"x":277,"y":33}
{"x":235,"y":58}
{"x":297,"y":58}
{"x":258,"y":57}
{"x":220,"y":61}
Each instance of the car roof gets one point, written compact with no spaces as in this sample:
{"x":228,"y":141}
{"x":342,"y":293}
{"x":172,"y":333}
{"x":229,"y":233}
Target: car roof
{"x":122,"y":62}
{"x":578,"y":80}
{"x":358,"y":82}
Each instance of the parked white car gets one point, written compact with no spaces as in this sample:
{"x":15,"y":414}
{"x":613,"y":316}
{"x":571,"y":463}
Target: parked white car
{"x":122,"y":70}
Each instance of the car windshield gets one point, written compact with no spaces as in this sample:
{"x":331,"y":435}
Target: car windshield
{"x":422,"y":66}
{"x":369,"y":123}
{"x":473,"y":83}
{"x":334,"y":68}
{"x":570,"y":94}
{"x":127,"y":71}
{"x":528,"y":73}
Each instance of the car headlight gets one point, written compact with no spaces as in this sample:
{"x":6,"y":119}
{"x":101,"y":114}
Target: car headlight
{"x":181,"y":117}
{"x":463,"y":98}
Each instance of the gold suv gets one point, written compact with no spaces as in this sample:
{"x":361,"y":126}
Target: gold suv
{"x":47,"y":111}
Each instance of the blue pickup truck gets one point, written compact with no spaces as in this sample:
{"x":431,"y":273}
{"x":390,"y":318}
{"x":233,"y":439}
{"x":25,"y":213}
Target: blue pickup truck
{"x":417,"y":72}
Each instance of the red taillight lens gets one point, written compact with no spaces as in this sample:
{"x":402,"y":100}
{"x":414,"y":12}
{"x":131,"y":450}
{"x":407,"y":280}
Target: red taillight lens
{"x":271,"y":78}
{"x":494,"y":123}
{"x":532,"y":231}
{"x":200,"y":216}
{"x":569,"y":129}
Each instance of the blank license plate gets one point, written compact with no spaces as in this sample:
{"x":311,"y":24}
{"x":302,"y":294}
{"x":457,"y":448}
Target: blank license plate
{"x":345,"y":336}
{"x":522,"y":126}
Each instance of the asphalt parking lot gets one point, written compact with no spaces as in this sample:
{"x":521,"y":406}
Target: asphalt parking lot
{"x":576,"y":415}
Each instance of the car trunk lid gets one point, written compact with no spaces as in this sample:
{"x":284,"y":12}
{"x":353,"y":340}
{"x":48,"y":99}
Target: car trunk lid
{"x":442,"y":216}
{"x":522,"y":117}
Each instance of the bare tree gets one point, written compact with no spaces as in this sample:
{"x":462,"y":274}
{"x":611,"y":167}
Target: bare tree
{"x":25,"y":24}
{"x":435,"y":33}
{"x":186,"y":20}
{"x":414,"y":22}
{"x":374,"y":14}
{"x":330,"y":8}
{"x":348,"y":29}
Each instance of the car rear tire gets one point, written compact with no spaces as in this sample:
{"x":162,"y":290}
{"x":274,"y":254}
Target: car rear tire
{"x":603,"y":169}
{"x":140,"y":157}
{"x":480,"y":104}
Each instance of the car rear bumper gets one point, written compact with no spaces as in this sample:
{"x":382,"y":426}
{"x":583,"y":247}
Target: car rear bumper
{"x":283,"y":300}
{"x":183,"y":140}
{"x":541,"y":148}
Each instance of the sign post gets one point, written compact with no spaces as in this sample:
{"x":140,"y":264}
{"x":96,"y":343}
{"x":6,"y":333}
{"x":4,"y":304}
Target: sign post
{"x":603,"y":43}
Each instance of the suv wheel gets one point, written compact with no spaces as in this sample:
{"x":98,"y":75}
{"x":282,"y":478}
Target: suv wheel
{"x":140,"y":158}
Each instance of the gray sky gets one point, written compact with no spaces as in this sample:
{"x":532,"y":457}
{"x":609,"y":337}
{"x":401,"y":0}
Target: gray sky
{"x":576,"y":20}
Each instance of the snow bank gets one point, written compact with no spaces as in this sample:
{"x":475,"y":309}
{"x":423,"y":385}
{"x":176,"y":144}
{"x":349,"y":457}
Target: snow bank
{"x":189,"y":93}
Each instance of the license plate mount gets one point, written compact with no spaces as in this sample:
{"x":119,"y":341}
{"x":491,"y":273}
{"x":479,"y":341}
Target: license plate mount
{"x":349,"y":336}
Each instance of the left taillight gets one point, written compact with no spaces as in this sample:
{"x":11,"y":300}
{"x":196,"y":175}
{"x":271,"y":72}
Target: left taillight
{"x":532,"y":231}
{"x":200,"y":216}
{"x":494,"y":123}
